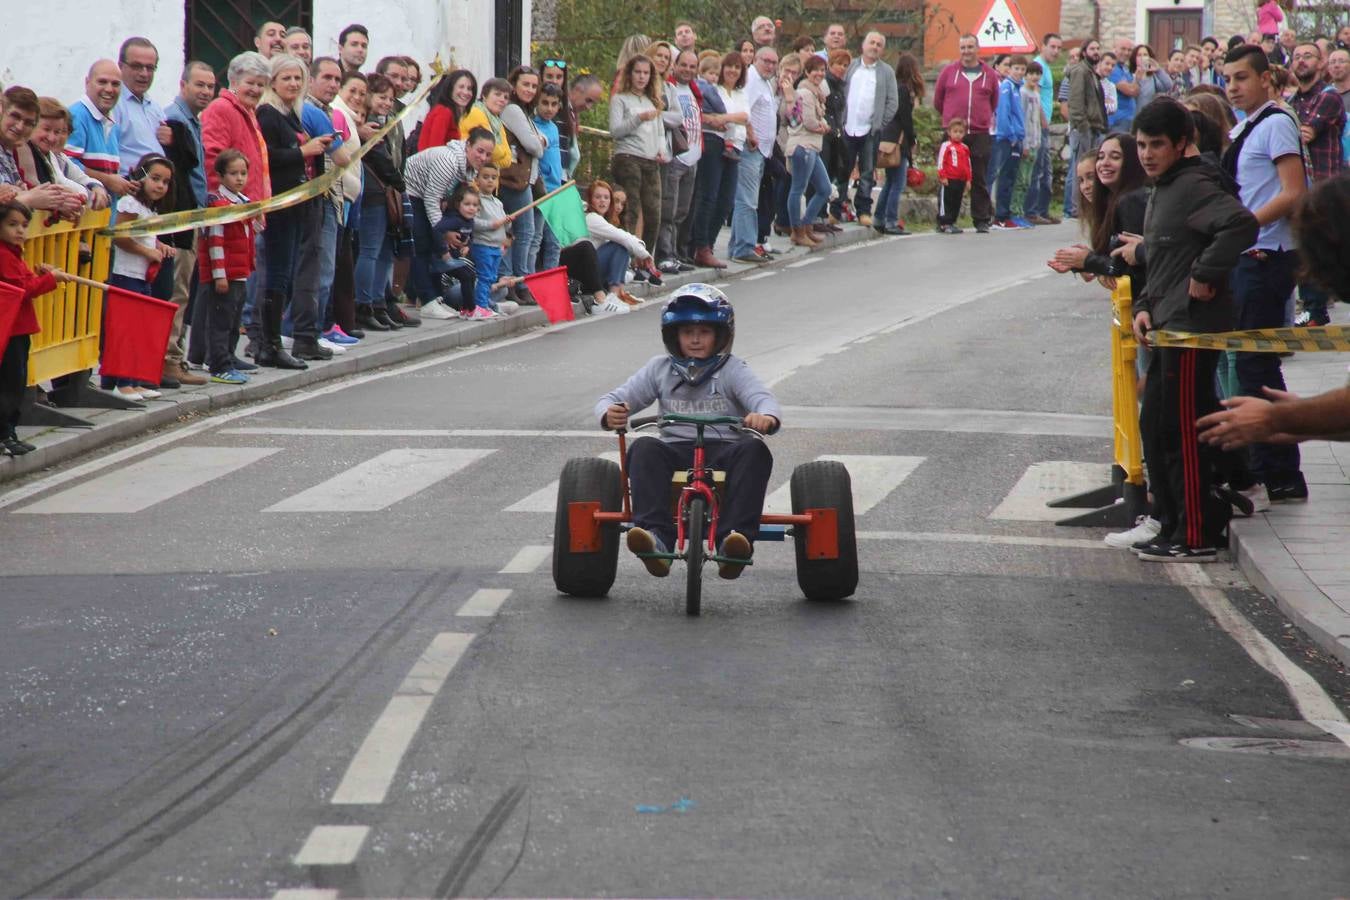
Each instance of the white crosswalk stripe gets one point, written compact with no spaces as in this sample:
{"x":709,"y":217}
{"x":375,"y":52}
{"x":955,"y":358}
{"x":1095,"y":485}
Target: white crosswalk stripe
{"x":546,"y":498}
{"x":1049,"y":480}
{"x":381,"y":481}
{"x":141,"y":485}
{"x":873,"y":478}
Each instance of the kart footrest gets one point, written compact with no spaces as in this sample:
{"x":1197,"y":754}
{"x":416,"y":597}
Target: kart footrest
{"x":659,"y":555}
{"x":732,"y":560}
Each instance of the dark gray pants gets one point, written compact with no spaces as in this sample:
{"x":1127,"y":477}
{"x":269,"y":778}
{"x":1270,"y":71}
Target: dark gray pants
{"x":677,"y":195}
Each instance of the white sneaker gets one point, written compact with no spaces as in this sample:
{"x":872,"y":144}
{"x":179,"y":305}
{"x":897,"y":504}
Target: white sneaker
{"x":149,"y":393}
{"x":1259,"y":496}
{"x":1146,"y":528}
{"x":614,"y":305}
{"x":438,"y":310}
{"x":336,"y":348}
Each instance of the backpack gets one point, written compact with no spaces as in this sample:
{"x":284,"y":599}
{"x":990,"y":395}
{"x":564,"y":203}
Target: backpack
{"x":1230,"y":156}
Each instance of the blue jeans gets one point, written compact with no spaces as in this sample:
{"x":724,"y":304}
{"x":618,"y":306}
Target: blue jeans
{"x":807,"y":168}
{"x":745,"y":211}
{"x":888,"y":201}
{"x":1260,"y":289}
{"x":544,"y":247}
{"x":522,"y":230}
{"x":375,"y":254}
{"x":1038,"y":191}
{"x":328,"y":232}
{"x":714,"y":191}
{"x":1003,"y":163}
{"x":424,"y":251}
{"x":613,"y":259}
{"x":487,"y":263}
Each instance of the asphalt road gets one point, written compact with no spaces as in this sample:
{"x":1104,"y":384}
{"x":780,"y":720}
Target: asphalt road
{"x":315,"y":644}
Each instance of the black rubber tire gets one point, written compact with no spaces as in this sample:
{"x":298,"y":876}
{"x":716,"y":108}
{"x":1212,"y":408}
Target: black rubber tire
{"x":587,"y":574}
{"x":697,"y":531}
{"x":825,"y":484}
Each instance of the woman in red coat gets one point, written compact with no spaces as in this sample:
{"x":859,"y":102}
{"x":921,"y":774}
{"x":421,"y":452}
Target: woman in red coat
{"x":231,"y":120}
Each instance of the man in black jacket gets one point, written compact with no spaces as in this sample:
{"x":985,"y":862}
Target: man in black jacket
{"x":1194,"y":233}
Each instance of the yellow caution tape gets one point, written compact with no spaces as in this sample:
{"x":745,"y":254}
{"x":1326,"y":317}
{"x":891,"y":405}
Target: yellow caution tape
{"x":223,"y":215}
{"x":1313,"y":339}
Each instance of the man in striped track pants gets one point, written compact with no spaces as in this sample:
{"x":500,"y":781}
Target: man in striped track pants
{"x":1194,"y":233}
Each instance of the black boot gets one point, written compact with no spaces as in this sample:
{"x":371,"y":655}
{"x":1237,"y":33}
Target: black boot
{"x":270,"y":352}
{"x":365,"y":317}
{"x":382,"y":316}
{"x":308,"y":348}
{"x":399,"y":317}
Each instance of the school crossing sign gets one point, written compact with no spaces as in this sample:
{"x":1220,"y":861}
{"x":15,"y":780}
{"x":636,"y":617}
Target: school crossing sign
{"x":1002,"y":29}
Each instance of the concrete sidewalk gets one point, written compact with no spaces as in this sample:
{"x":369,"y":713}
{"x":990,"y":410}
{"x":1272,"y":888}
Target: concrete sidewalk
{"x":377,"y":350}
{"x":1297,"y":552}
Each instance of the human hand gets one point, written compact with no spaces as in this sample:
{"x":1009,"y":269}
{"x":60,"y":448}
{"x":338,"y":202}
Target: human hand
{"x":365,"y":131}
{"x":164,"y":134}
{"x":1143,"y":323}
{"x":45,"y":196}
{"x":454,"y":240}
{"x":1058,"y":266}
{"x":616,"y":417}
{"x":1201,"y":291}
{"x":1072,"y":257}
{"x":1129,"y":247}
{"x":314,"y":146}
{"x":98,"y":198}
{"x":222,"y":286}
{"x":500,"y":223}
{"x":761,"y":423}
{"x":1307,"y":133}
{"x":8,"y":192}
{"x":942,"y":181}
{"x":120,"y":186}
{"x":165,"y":251}
{"x":1245,"y":420}
{"x":1107,"y":281}
{"x":648,"y":114}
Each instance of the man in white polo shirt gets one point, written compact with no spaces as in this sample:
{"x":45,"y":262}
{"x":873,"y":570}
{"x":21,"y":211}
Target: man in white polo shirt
{"x":1266,"y":158}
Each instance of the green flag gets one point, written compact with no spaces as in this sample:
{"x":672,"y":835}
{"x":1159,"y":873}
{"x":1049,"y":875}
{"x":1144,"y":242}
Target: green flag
{"x":565,"y":216}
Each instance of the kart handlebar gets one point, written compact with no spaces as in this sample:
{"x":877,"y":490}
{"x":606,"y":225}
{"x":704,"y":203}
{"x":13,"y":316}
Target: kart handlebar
{"x":732,"y":423}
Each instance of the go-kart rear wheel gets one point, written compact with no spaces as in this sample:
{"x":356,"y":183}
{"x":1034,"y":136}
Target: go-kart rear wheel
{"x":696,"y":530}
{"x":825,"y":484}
{"x":588,"y":574}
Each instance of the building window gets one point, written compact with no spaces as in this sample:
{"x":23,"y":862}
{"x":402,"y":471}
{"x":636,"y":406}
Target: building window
{"x":219,"y":30}
{"x":510,"y":24}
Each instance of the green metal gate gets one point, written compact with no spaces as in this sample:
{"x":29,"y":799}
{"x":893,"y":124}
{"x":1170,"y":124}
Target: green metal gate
{"x":219,"y":30}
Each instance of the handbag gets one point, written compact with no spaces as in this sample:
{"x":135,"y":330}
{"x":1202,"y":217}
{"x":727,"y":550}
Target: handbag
{"x":888,"y":155}
{"x":516,"y":176}
{"x":679,"y":141}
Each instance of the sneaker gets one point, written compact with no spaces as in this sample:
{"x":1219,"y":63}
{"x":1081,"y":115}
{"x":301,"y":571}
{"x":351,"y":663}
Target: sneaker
{"x":669,"y":266}
{"x":1039,"y":220}
{"x":1004,"y":225}
{"x":1305,"y":319}
{"x":1158,"y":541}
{"x":765,"y":251}
{"x":148,"y":393}
{"x":1240,"y":502}
{"x":196,"y":367}
{"x":230,"y":377}
{"x":334,"y":347}
{"x":640,"y":540}
{"x":865,"y":219}
{"x":979,"y":229}
{"x":1022,"y":222}
{"x":752,"y":258}
{"x":734,"y":546}
{"x":481,"y":312}
{"x":1179,"y":553}
{"x":336,"y":335}
{"x":613,"y":304}
{"x":1289,"y":492}
{"x":1145,"y":529}
{"x":438,"y":310}
{"x":637,"y":275}
{"x":1259,"y":497}
{"x":15,"y":447}
{"x":242,"y":365}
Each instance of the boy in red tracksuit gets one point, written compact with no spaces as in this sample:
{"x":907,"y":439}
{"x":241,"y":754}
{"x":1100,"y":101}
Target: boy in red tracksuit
{"x":953,"y":175}
{"x":14,"y":219}
{"x":226,"y":255}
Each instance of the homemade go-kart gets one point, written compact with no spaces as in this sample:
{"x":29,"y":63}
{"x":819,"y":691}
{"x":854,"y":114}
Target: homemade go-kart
{"x":594,"y":506}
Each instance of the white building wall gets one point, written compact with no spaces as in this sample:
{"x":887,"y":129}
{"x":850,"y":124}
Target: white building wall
{"x":53,"y":59}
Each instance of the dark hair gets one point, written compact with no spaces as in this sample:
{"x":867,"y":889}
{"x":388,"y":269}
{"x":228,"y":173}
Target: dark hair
{"x":131,"y":42}
{"x":349,"y":31}
{"x":1100,"y":213}
{"x":462,"y":190}
{"x":24,"y":99}
{"x":316,"y":65}
{"x":1164,"y":117}
{"x":998,"y":58}
{"x":479,"y":133}
{"x":812,"y":63}
{"x":385,"y":62}
{"x":443,"y":93}
{"x":353,"y":76}
{"x":378,"y":84}
{"x":1252,"y":54}
{"x":501,"y":85}
{"x":551,"y":90}
{"x":1208,"y":137}
{"x":513,"y":78}
{"x":227,"y":156}
{"x":954,"y":121}
{"x":1018,"y":60}
{"x":732,"y":59}
{"x":1035,"y":67}
{"x":10,"y":206}
{"x":802,"y":42}
{"x":1134,"y":55}
{"x":1209,"y":39}
{"x":1319,"y":227}
{"x":1048,"y":37}
{"x":489,"y":165}
{"x":909,"y":74}
{"x":143,"y":167}
{"x":1238,"y":40}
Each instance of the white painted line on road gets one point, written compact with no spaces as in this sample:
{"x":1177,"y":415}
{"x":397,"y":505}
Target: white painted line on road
{"x":955,"y":537}
{"x":758,"y":276}
{"x":381,"y":481}
{"x":306,"y":894}
{"x":372,"y":770}
{"x":1050,"y":480}
{"x":546,"y":498}
{"x":332,"y":845}
{"x":527,"y":559}
{"x":873,"y":478}
{"x":809,"y":261}
{"x":143,"y":484}
{"x":417,"y":432}
{"x":1312,"y":701}
{"x":484,"y":603}
{"x":976,"y":421}
{"x":851,"y":248}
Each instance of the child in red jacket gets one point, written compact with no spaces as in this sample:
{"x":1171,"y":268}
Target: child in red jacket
{"x":14,"y":219}
{"x":953,"y":174}
{"x":226,"y":254}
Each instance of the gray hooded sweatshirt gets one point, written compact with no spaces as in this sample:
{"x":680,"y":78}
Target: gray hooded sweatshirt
{"x":733,"y":390}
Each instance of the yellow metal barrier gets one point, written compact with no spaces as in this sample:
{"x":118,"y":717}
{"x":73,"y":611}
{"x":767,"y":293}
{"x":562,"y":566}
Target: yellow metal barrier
{"x":71,"y":317}
{"x":1126,"y":497}
{"x":1129,"y":450}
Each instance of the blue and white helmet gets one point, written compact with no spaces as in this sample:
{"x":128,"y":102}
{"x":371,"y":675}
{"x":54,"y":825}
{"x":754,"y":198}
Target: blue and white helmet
{"x":698,"y":303}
